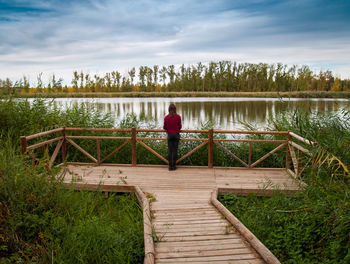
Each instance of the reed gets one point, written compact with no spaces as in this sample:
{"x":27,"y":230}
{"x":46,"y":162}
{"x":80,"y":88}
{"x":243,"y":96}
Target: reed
{"x":311,"y":226}
{"x":303,"y":94}
{"x":40,"y":221}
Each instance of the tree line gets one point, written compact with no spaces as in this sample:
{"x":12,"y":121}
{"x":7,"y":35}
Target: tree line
{"x":221,"y":76}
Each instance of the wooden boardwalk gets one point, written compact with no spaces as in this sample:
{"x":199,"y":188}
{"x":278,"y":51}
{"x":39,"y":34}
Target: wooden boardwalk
{"x":183,"y":220}
{"x":187,"y":228}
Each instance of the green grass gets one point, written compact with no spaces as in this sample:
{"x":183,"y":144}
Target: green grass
{"x":42,"y":222}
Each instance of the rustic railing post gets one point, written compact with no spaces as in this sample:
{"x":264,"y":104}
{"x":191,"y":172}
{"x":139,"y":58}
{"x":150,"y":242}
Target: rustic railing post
{"x":287,"y":152}
{"x":210,"y":148}
{"x":46,"y":155}
{"x":23,"y":145}
{"x":133,"y":146}
{"x":98,"y":150}
{"x":250,"y":155}
{"x":64,"y":146}
{"x":299,"y":159}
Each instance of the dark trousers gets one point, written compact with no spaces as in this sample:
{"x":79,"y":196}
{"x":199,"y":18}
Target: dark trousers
{"x":173,"y":143}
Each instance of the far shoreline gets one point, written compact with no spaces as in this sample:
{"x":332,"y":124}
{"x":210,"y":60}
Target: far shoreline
{"x":303,"y":94}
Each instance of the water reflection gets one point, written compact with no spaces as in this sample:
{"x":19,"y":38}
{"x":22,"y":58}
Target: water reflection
{"x":224,"y":113}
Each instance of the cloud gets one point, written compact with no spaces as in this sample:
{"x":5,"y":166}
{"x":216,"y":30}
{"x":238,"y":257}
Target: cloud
{"x":62,"y":36}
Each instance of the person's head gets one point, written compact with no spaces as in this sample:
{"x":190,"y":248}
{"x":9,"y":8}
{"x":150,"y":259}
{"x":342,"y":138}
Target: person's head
{"x":172,"y":109}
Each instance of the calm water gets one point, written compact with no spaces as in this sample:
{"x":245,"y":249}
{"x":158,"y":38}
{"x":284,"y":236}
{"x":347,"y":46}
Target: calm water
{"x":225,"y":113}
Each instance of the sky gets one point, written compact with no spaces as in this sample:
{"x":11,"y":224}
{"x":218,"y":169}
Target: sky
{"x":98,"y":36}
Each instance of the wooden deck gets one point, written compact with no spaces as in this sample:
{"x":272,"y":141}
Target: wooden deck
{"x":183,"y":220}
{"x":187,"y":228}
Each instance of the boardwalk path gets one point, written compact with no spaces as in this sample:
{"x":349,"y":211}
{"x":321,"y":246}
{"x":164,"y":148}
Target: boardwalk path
{"x":188,"y":228}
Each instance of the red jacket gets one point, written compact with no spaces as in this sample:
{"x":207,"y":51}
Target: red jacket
{"x":172,"y":124}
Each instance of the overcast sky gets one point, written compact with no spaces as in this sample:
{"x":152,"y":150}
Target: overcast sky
{"x":98,"y":36}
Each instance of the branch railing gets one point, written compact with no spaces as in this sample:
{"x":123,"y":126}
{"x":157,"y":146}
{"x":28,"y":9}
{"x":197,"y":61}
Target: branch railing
{"x":63,"y":137}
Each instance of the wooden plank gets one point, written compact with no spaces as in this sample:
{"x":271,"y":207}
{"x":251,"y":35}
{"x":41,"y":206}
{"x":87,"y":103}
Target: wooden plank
{"x":164,"y":139}
{"x":23,"y":144}
{"x":44,"y":133}
{"x":184,"y":214}
{"x":188,"y":245}
{"x":97,"y":137}
{"x":205,"y":253}
{"x":191,"y":152}
{"x":287,"y":153}
{"x":55,"y":153}
{"x":250,"y":140}
{"x":64,"y":146}
{"x":185,"y":219}
{"x":44,"y":143}
{"x":292,"y":173}
{"x":240,"y":261}
{"x":210,"y":148}
{"x":205,"y":210}
{"x":198,"y":233}
{"x":233,"y":155}
{"x":251,"y":132}
{"x":150,"y":139}
{"x":309,"y":142}
{"x":193,"y":221}
{"x":81,"y":150}
{"x":250,"y":155}
{"x":294,"y":159}
{"x":98,"y":129}
{"x":198,"y":237}
{"x":147,"y":227}
{"x":306,"y":151}
{"x":153,"y":151}
{"x":268,"y":155}
{"x":98,"y":151}
{"x":133,"y":147}
{"x":170,"y":229}
{"x":188,"y":224}
{"x":204,"y":259}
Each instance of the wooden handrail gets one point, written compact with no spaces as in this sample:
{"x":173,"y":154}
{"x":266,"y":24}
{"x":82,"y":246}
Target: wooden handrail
{"x":44,"y":133}
{"x":306,"y":151}
{"x":98,"y":129}
{"x":97,"y":137}
{"x":306,"y":141}
{"x":147,"y":226}
{"x":44,"y":143}
{"x":264,"y":252}
{"x":251,"y":132}
{"x":251,"y":140}
{"x":136,"y":139}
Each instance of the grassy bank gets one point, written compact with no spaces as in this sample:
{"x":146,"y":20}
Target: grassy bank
{"x":304,"y":94}
{"x":312,"y":226}
{"x":41,"y":222}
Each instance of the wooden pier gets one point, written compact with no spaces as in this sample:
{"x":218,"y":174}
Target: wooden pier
{"x":183,"y":220}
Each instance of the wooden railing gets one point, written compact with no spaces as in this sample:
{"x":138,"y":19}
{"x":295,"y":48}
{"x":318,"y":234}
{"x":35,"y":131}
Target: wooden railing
{"x":63,"y":137}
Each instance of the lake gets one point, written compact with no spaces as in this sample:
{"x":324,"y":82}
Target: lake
{"x":224,"y":113}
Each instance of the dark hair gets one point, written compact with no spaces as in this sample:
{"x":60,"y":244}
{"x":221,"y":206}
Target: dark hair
{"x":172,"y":109}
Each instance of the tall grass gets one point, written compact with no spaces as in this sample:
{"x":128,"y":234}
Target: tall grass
{"x":312,"y":226}
{"x":305,"y":94}
{"x":40,"y":221}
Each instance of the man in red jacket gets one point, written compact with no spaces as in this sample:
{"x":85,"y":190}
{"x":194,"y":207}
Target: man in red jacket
{"x":172,"y":125}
